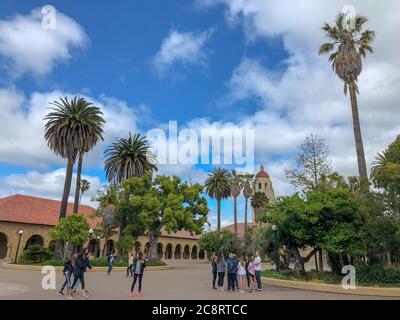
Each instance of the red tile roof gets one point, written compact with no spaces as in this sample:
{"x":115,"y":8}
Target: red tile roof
{"x":35,"y":210}
{"x":240,"y":228}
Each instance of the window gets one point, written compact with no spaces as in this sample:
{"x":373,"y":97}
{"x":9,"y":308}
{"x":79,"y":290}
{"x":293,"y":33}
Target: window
{"x":259,"y":186}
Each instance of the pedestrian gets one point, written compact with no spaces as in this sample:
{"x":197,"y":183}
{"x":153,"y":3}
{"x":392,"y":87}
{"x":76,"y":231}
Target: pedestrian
{"x":129,"y":271}
{"x":67,"y":271}
{"x":231,"y":269}
{"x":214,"y":270}
{"x":251,"y":270}
{"x":242,"y":273}
{"x":110,"y":260}
{"x":258,"y":268}
{"x":80,"y":267}
{"x":247,"y":273}
{"x":138,"y":267}
{"x":237,"y":268}
{"x":221,"y":271}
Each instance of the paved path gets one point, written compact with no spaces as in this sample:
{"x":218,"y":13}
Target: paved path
{"x":187,"y":280}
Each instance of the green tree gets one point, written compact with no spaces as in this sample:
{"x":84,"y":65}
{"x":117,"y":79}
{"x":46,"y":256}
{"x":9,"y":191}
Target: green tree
{"x":126,"y":158}
{"x":72,"y":128}
{"x":259,"y":202}
{"x":73,"y":229}
{"x":312,"y":164}
{"x":217,"y":186}
{"x":348,"y":44}
{"x":169,"y":203}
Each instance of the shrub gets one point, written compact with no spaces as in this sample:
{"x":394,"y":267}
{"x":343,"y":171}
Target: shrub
{"x":377,"y":275}
{"x":34,"y":254}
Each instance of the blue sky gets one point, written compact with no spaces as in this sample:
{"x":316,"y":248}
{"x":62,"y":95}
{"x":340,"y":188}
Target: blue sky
{"x":204,"y":63}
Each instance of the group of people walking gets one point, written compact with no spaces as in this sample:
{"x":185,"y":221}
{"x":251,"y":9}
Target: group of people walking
{"x":79,"y":262}
{"x":239,"y":271}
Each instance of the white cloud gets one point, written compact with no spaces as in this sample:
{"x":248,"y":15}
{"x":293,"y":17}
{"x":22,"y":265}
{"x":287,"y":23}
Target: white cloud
{"x":22,"y":127}
{"x":307,"y":97}
{"x":48,"y":185}
{"x":180,"y":49}
{"x":27,"y":47}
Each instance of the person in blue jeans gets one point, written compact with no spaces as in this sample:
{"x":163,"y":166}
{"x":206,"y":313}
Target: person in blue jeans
{"x":231,"y":269}
{"x":110,"y":260}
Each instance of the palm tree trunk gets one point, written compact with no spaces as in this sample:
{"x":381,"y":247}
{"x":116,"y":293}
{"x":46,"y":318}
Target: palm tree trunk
{"x":235,"y":215}
{"x":122,"y":221}
{"x":362,"y":168}
{"x":78,"y":184}
{"x":59,"y":246}
{"x":218,"y":215}
{"x":245,"y":215}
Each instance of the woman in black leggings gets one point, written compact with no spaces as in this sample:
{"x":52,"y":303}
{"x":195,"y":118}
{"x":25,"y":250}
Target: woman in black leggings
{"x":79,"y":271}
{"x":138,"y":269}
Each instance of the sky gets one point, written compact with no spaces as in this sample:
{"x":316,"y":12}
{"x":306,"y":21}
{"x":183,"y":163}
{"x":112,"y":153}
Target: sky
{"x":206,"y":64}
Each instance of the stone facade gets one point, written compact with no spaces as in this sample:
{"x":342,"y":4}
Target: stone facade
{"x":262,"y":183}
{"x":170,"y":247}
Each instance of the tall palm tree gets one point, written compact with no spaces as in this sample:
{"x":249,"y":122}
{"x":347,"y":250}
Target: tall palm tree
{"x":72,"y":126}
{"x":126,"y":158}
{"x":217,"y":186}
{"x":236,"y":185}
{"x":247,"y":193}
{"x":348,"y":45}
{"x":84,"y":187}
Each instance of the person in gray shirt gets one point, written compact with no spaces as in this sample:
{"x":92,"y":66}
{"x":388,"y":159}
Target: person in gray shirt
{"x":221,"y":271}
{"x":138,"y":267}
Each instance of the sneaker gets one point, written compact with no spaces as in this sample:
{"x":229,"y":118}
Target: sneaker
{"x":241,"y":291}
{"x":259,"y":289}
{"x":140,"y":294}
{"x":60,"y":293}
{"x":131,"y":294}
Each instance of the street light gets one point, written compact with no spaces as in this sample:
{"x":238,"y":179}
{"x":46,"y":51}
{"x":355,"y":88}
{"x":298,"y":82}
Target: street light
{"x":20,"y":232}
{"x":275,"y":230}
{"x":91,"y":232}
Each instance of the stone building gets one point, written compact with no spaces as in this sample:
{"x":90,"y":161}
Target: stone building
{"x":35,"y":216}
{"x":262,"y":183}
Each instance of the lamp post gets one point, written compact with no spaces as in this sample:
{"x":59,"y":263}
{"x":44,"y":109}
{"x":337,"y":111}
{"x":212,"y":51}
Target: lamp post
{"x":20,"y":232}
{"x":275,"y":230}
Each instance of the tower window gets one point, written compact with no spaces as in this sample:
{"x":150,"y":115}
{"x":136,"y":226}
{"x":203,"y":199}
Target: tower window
{"x":259,"y":186}
{"x":266,"y":185}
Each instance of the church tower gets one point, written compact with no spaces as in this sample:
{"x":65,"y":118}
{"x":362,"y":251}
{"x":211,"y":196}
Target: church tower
{"x":262,"y":183}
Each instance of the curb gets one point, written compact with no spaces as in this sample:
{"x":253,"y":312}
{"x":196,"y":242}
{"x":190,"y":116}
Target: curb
{"x":60,"y":268}
{"x":333,"y":288}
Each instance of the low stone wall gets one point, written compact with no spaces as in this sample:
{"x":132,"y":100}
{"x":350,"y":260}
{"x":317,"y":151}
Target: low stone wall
{"x":360,"y":290}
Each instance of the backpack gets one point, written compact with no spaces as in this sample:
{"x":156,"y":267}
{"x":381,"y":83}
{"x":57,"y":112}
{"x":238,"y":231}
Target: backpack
{"x":229,"y":266}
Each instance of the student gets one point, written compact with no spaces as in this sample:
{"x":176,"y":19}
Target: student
{"x":247,"y":272}
{"x":67,"y":271}
{"x":257,"y":263}
{"x":130,"y":265}
{"x":81,"y":264}
{"x":231,"y":269}
{"x":221,"y":271}
{"x":251,"y":270}
{"x":242,"y":273}
{"x":110,"y":260}
{"x":214,"y":271}
{"x":138,"y":270}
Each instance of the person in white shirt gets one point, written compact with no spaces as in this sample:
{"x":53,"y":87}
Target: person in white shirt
{"x":257,"y":263}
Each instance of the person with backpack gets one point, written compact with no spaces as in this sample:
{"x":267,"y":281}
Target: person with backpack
{"x":110,"y":260}
{"x":231,"y":269}
{"x":214,"y":271}
{"x":221,"y":271}
{"x":67,"y":271}
{"x":81,"y":265}
{"x":138,"y":270}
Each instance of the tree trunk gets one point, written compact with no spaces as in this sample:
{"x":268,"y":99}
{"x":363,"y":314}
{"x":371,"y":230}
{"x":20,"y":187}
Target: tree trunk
{"x":316,"y":262}
{"x":122,"y":221}
{"x":321,"y":261}
{"x":388,"y":257}
{"x":362,"y":168}
{"x":59,"y":246}
{"x":153,"y":254}
{"x":235,"y":215}
{"x":218,"y":215}
{"x":78,"y":184}
{"x":299,"y":264}
{"x":245,"y":215}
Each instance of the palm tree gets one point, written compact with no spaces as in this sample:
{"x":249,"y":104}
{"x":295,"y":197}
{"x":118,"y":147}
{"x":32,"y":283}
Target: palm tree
{"x":84,"y":187}
{"x":72,"y":126}
{"x":247,"y":193}
{"x":259,"y":201}
{"x":126,"y":158}
{"x":348,"y":45}
{"x":217,"y":186}
{"x":236,"y":185}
